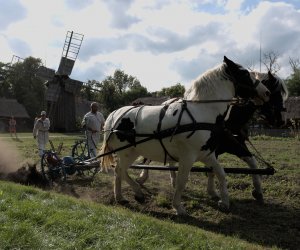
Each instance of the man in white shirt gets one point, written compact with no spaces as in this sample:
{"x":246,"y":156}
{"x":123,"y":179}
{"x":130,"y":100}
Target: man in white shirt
{"x":93,"y":122}
{"x":41,"y":132}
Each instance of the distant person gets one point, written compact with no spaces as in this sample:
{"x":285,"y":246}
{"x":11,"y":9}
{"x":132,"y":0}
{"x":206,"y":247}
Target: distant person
{"x":93,"y":123}
{"x":41,"y":132}
{"x":12,"y":126}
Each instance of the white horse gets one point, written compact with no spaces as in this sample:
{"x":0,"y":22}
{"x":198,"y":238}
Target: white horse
{"x":236,"y":120}
{"x":179,"y":133}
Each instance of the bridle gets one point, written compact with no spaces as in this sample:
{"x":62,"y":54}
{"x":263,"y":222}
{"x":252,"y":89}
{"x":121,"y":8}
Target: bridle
{"x":238,"y":86}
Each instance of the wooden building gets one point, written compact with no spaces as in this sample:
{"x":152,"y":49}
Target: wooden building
{"x":11,"y":107}
{"x":61,"y":102}
{"x":292,"y":113}
{"x":150,"y":100}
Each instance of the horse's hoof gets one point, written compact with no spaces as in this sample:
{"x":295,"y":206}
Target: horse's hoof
{"x":140,"y":181}
{"x":180,"y":211}
{"x":122,"y":202}
{"x":214,"y":197}
{"x":223,"y":207}
{"x":258,"y":196}
{"x":140,"y":199}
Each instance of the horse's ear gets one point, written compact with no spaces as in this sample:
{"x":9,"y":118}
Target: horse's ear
{"x":227,"y":61}
{"x":270,"y":75}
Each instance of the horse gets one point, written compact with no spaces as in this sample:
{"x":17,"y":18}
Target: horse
{"x":237,"y":118}
{"x":236,"y":122}
{"x":179,"y":132}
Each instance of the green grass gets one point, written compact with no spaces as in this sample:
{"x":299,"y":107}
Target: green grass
{"x":27,"y":145}
{"x":35,"y":219}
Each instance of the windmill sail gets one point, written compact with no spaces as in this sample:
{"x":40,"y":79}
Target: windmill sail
{"x":70,"y":52}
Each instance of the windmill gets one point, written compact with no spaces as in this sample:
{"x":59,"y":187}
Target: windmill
{"x":61,"y":89}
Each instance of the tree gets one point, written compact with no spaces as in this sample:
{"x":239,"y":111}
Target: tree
{"x":120,"y":90}
{"x":173,"y":91}
{"x":133,"y":93}
{"x":26,"y":86}
{"x":270,"y":60}
{"x":90,"y":90}
{"x":293,"y":82}
{"x":5,"y":88}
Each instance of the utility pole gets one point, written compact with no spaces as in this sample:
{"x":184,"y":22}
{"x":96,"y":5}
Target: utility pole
{"x":260,"y":52}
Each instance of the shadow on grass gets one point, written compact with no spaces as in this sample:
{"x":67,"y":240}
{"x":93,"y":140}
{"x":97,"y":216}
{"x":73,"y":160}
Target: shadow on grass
{"x":268,"y":225}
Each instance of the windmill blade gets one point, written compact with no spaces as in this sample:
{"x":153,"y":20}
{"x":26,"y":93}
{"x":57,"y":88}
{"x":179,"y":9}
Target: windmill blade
{"x":70,"y":52}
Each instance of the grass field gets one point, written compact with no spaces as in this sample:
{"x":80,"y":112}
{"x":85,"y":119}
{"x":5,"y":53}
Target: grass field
{"x":34,"y":219}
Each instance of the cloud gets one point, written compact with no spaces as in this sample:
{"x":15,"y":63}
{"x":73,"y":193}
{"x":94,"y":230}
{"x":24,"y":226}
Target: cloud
{"x":157,"y":5}
{"x":233,"y":5}
{"x":93,"y":47}
{"x":6,"y":10}
{"x":280,"y":26}
{"x":19,"y":47}
{"x":190,"y":69}
{"x":98,"y":71}
{"x":78,"y":4}
{"x":166,"y":41}
{"x":120,"y":18}
{"x":158,"y":41}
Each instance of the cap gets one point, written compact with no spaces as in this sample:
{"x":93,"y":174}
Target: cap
{"x":43,"y":113}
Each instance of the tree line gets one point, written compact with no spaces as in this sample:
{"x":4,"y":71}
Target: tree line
{"x":21,"y":81}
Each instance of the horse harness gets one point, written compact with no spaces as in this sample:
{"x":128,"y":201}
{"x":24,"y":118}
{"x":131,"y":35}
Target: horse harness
{"x":125,"y":130}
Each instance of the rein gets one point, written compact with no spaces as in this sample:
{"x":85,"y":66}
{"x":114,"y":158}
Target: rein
{"x":162,"y":134}
{"x":259,"y":156}
{"x":178,"y":129}
{"x":236,"y":100}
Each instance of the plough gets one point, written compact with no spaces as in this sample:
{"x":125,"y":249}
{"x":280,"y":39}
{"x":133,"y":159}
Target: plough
{"x":54,"y":167}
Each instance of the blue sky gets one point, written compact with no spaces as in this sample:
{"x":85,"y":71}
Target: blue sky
{"x":160,"y":42}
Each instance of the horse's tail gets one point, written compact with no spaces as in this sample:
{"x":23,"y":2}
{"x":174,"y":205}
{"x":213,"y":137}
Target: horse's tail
{"x":107,"y":161}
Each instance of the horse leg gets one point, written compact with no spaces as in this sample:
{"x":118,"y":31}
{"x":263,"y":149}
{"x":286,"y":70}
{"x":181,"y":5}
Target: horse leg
{"x":138,"y":194}
{"x":256,"y":179}
{"x":123,"y":162}
{"x":211,"y":187}
{"x":118,"y":185}
{"x":126,"y":159}
{"x":181,"y":180}
{"x":220,"y":173}
{"x":173,"y":178}
{"x":144,"y":175}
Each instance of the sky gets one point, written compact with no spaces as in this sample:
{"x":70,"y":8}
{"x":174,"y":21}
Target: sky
{"x":160,"y":42}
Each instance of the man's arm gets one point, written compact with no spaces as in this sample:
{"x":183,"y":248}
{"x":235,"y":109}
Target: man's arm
{"x":84,"y":121}
{"x":35,"y":129}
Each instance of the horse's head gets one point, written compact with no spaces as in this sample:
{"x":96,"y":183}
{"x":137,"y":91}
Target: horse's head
{"x":272,"y":110}
{"x":245,"y":85}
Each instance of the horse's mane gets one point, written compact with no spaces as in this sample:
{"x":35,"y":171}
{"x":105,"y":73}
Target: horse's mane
{"x":206,"y":84}
{"x":264,"y":76}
